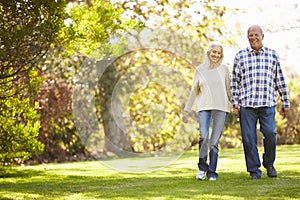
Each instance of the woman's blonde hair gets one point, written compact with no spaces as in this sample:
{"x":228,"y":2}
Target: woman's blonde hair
{"x":211,"y":45}
{"x":206,"y":63}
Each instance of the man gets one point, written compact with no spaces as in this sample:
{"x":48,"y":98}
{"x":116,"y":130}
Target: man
{"x":256,"y":78}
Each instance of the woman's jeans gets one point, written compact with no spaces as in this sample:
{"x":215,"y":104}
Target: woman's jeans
{"x":209,"y":142}
{"x":248,"y":122}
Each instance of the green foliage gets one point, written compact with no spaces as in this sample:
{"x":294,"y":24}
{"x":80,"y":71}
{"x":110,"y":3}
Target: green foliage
{"x":154,"y":85}
{"x":87,"y":31}
{"x":152,"y":109}
{"x":88,"y":28}
{"x":154,"y":122}
{"x":58,"y":132}
{"x":289,"y":128}
{"x":19,"y":122}
{"x":28,"y":28}
{"x":200,"y":20}
{"x":231,"y":136}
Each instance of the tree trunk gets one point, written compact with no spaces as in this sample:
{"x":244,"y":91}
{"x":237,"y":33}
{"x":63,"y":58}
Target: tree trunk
{"x":116,"y":137}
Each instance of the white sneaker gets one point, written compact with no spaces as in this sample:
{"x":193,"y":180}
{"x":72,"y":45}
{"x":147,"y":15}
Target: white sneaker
{"x":212,"y":178}
{"x":200,"y":175}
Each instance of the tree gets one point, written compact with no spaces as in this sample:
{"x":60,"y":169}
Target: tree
{"x":19,"y":123}
{"x":100,"y":20}
{"x":170,"y":44}
{"x":197,"y":22}
{"x":27,"y":30}
{"x":58,"y":132}
{"x":288,"y":128}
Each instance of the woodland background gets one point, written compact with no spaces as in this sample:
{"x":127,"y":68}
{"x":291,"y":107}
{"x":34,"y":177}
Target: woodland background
{"x":93,"y":79}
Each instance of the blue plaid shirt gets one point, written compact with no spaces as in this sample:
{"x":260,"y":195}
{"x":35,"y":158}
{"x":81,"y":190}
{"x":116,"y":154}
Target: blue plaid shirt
{"x":256,"y":78}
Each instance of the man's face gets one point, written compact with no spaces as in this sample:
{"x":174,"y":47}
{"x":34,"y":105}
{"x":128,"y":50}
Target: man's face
{"x":255,"y":38}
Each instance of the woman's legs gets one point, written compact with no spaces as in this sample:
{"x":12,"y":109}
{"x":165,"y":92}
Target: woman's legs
{"x":218,"y":120}
{"x":204,"y":118}
{"x":210,"y":143}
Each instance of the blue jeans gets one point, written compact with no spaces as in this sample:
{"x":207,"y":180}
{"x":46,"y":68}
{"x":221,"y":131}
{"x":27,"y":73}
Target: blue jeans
{"x":209,"y":142}
{"x":248,"y":122}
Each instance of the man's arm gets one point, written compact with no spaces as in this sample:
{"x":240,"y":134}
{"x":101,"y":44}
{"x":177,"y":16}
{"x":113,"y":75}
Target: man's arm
{"x":234,"y":84}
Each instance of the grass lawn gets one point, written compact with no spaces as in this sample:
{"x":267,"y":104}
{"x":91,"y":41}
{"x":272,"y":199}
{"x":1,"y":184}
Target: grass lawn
{"x":96,"y":180}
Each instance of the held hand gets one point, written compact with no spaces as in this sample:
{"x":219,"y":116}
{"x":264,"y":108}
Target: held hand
{"x":236,"y":110}
{"x":284,"y":112}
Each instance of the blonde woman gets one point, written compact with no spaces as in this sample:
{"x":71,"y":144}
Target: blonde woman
{"x":211,"y":93}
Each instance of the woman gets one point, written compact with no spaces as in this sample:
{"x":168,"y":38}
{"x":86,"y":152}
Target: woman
{"x":211,"y":91}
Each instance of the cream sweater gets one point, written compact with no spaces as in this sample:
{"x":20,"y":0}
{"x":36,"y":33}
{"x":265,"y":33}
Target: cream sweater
{"x":210,"y":89}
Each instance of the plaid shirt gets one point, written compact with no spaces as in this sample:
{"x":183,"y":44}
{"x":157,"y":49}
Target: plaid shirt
{"x":256,"y":78}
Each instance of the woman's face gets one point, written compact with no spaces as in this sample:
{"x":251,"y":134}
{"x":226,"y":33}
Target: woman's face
{"x":215,"y":54}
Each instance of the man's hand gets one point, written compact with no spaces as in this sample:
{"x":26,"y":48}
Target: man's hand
{"x":236,"y":110}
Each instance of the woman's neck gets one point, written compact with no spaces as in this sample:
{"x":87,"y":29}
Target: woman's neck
{"x":214,"y":65}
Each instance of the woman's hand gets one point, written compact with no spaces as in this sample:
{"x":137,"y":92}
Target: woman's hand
{"x":236,"y":110}
{"x":185,"y":117}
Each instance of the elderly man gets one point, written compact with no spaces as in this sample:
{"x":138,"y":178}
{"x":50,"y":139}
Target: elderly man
{"x":256,"y":78}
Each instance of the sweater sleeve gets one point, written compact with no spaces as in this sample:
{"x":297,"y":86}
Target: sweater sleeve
{"x":227,"y":83}
{"x":195,"y":90}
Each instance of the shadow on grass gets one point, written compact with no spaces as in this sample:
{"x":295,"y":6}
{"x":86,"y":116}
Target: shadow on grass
{"x":171,"y":184}
{"x":10,"y":172}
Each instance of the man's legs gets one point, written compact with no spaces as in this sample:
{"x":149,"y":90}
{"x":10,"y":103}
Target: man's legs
{"x":248,"y":121}
{"x":267,"y":127}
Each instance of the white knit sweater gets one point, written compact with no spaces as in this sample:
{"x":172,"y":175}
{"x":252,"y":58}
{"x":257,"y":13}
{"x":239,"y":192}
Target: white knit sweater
{"x":210,"y":89}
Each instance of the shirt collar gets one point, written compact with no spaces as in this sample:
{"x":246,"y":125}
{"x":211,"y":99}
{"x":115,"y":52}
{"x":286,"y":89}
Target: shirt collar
{"x":250,"y":50}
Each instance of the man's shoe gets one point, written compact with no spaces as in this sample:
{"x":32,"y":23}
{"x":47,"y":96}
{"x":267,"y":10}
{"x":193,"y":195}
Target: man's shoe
{"x":271,"y":171}
{"x":200,"y":175}
{"x":256,"y":177}
{"x":212,"y":178}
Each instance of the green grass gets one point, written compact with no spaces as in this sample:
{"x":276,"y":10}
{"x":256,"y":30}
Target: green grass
{"x":96,"y":180}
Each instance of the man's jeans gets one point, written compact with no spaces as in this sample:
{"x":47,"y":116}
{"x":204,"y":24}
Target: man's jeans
{"x":209,"y":142}
{"x":248,"y":122}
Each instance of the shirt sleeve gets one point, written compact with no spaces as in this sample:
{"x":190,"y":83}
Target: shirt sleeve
{"x":281,"y":85}
{"x":235,"y":81}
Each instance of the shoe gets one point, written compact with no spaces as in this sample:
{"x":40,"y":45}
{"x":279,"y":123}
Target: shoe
{"x":200,"y":175}
{"x":256,"y":177}
{"x":271,"y":171}
{"x":212,"y":178}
